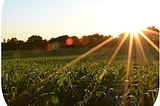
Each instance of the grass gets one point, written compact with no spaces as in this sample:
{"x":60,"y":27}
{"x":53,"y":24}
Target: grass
{"x":79,"y":84}
{"x":20,"y":54}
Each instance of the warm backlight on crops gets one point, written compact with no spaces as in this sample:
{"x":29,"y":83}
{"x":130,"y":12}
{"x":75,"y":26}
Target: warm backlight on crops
{"x":116,"y":66}
{"x":110,"y":75}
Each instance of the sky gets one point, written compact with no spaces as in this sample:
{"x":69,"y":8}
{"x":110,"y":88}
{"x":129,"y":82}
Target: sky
{"x":53,"y":18}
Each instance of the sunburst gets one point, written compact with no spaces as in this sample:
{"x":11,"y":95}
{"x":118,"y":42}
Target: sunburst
{"x":132,"y":33}
{"x":132,"y":30}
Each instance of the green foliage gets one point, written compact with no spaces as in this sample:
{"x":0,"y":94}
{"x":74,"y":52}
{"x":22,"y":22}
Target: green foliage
{"x":87,"y":82}
{"x":60,"y":80}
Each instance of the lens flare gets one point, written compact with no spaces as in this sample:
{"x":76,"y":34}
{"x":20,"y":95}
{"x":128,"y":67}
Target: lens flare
{"x":55,"y":45}
{"x":16,"y":56}
{"x":49,"y":47}
{"x":69,"y":41}
{"x":84,"y":40}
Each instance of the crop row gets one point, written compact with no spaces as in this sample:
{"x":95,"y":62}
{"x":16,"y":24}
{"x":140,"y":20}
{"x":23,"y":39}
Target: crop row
{"x":80,"y":84}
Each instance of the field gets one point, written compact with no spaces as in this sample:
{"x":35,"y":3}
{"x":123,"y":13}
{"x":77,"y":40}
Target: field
{"x":37,"y":78}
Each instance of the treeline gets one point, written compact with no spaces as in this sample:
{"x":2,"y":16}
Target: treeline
{"x":36,"y":42}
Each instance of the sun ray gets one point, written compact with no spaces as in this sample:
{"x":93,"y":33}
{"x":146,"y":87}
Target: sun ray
{"x":137,"y":50}
{"x":119,"y":46}
{"x":129,"y":54}
{"x":144,"y":57}
{"x":128,"y":64}
{"x":141,"y":48}
{"x":114,"y":54}
{"x":88,"y":52}
{"x":149,"y":41}
{"x":154,"y":32}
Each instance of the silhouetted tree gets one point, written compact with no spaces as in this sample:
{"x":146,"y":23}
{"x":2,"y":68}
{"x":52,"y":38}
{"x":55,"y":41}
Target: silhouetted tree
{"x":8,"y":40}
{"x":76,"y":42}
{"x":62,"y":40}
{"x":13,"y":40}
{"x":153,"y":36}
{"x":34,"y":38}
{"x":21,"y":45}
{"x":51,"y":40}
{"x":36,"y":41}
{"x":4,"y":41}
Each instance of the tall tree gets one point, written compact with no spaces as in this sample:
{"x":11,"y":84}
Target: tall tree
{"x":4,"y":41}
{"x":34,"y":38}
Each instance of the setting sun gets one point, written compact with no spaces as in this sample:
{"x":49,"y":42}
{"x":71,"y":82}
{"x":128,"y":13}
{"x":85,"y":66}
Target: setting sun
{"x":80,"y":52}
{"x":133,"y":29}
